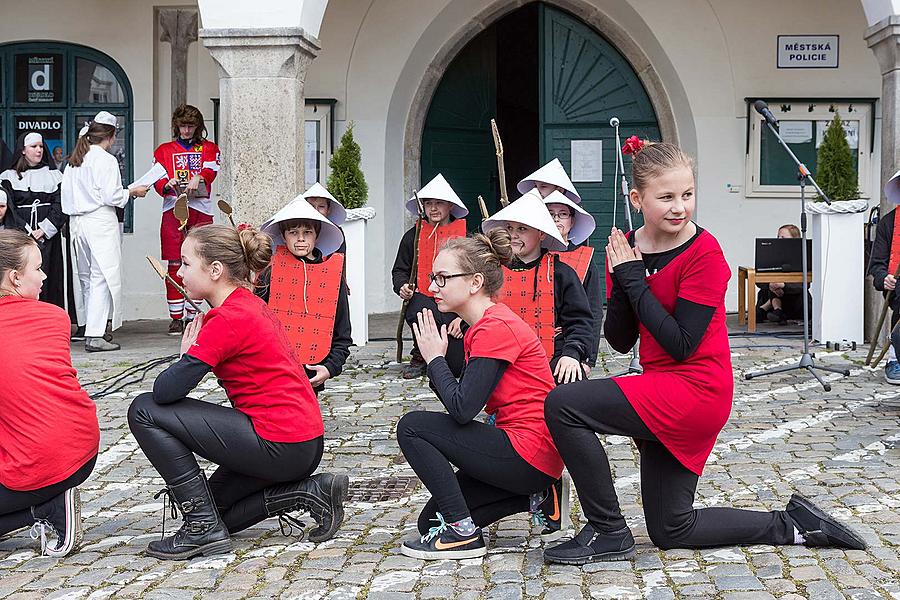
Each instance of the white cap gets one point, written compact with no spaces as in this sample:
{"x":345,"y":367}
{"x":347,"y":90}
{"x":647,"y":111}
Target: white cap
{"x":3,"y":200}
{"x":338,"y":213}
{"x":33,"y":138}
{"x":329,"y":238}
{"x":106,"y":118}
{"x":892,"y":189}
{"x":584,"y":223}
{"x":439,"y":189}
{"x":553,"y":173}
{"x":529,"y":210}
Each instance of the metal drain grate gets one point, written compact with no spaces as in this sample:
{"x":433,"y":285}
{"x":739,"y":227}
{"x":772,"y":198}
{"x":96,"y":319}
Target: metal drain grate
{"x":381,"y":489}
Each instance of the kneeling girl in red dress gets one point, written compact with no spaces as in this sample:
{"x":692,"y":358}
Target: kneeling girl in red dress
{"x":268,"y":444}
{"x":504,"y":468}
{"x":49,"y":434}
{"x":667,"y":287}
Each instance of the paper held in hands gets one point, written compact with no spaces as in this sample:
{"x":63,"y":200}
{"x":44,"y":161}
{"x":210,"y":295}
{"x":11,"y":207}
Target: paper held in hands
{"x":156,"y":172}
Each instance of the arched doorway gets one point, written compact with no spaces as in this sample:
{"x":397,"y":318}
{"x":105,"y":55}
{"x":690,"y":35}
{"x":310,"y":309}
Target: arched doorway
{"x":549,"y":79}
{"x":54,"y":88}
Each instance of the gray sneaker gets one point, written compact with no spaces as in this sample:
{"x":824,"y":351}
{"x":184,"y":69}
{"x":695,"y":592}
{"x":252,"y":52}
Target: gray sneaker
{"x":95,"y":344}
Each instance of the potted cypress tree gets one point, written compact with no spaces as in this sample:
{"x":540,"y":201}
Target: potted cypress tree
{"x":348,"y":184}
{"x":837,"y":230}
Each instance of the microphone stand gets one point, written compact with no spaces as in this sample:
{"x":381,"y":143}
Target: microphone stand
{"x":634,"y":367}
{"x":806,"y":359}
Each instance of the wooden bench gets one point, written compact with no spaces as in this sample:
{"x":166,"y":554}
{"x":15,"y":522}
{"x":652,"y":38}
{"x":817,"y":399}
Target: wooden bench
{"x":747,"y":280}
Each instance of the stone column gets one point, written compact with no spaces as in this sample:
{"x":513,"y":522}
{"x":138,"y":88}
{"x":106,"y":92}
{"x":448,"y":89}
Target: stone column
{"x":178,"y":26}
{"x":884,"y":41}
{"x":261,"y":115}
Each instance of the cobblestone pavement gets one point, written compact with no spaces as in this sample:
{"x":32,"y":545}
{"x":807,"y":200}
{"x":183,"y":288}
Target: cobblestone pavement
{"x":785,"y":435}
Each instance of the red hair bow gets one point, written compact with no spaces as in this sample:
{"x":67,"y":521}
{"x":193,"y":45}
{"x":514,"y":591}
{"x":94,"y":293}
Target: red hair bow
{"x":632,"y":145}
{"x":243,"y":226}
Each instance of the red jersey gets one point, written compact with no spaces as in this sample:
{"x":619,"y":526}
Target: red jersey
{"x":182,"y":164}
{"x":686,"y":403}
{"x":41,"y":401}
{"x":249,"y":352}
{"x":517,"y":402}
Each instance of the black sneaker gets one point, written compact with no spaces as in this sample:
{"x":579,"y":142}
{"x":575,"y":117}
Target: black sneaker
{"x":776,"y":316}
{"x":176,"y":327}
{"x":60,"y":516}
{"x":443,"y":542}
{"x":819,"y":529}
{"x":78,"y":336}
{"x":591,"y":546}
{"x":415,"y":369}
{"x":550,"y":509}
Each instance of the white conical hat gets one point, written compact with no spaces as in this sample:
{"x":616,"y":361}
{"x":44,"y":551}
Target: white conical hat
{"x":892,"y":189}
{"x":439,"y":189}
{"x":338,"y":213}
{"x":584,"y":224}
{"x":529,"y":210}
{"x":553,"y":173}
{"x":329,"y":238}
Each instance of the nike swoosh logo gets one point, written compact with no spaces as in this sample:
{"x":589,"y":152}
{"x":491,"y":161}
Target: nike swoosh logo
{"x":439,"y":545}
{"x":555,"y":515}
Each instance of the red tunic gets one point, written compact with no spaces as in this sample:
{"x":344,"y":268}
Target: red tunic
{"x":431,"y":239}
{"x":529,"y":293}
{"x":686,"y":403}
{"x":249,"y":352}
{"x":517,"y":402}
{"x":48,"y":424}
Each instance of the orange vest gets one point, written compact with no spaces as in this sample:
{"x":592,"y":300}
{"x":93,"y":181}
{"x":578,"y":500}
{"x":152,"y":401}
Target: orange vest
{"x":579,"y":259}
{"x":533,"y":301}
{"x":304,"y":296}
{"x":431,"y":238}
{"x":895,"y":245}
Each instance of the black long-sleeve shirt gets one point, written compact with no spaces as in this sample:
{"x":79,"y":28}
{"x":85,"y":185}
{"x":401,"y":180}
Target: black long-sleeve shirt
{"x":573,"y":313}
{"x":403,"y":262}
{"x":679,"y":333}
{"x":465,"y":398}
{"x":177,"y":381}
{"x":881,"y":256}
{"x":341,"y":337}
{"x":593,"y":289}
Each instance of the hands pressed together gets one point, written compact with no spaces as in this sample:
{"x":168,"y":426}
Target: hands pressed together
{"x":432,"y":341}
{"x":619,"y":251}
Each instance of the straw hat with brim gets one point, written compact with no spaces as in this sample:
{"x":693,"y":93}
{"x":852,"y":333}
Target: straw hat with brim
{"x":583,"y":225}
{"x":329,"y":238}
{"x":892,"y":189}
{"x":555,"y":174}
{"x":338,"y":213}
{"x":439,"y":189}
{"x":529,"y":210}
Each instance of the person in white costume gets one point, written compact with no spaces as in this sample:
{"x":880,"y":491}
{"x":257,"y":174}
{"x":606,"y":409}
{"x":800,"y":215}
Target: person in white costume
{"x":549,"y":178}
{"x":91,"y":191}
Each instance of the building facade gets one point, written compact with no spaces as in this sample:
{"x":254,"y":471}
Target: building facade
{"x":421,"y":81}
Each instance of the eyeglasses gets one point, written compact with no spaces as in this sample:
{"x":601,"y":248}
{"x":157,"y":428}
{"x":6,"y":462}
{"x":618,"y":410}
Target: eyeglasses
{"x":560,"y":216}
{"x":440,"y":279}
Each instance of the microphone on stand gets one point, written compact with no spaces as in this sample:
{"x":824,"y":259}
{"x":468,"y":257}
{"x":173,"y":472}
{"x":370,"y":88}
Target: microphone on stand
{"x":763,"y":109}
{"x":614,"y":122}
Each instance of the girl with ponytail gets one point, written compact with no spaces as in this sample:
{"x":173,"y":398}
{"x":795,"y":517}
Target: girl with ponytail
{"x":269,"y":444}
{"x":505,"y":467}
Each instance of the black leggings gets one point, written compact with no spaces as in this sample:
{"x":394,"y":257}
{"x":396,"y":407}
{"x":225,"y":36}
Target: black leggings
{"x":170,"y":435}
{"x":455,"y":354}
{"x":15,"y":506}
{"x":493,"y":481}
{"x":578,"y":411}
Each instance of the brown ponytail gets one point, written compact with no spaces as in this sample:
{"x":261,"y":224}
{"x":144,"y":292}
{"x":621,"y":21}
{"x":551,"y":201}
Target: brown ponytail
{"x":96,"y":133}
{"x":483,"y":253}
{"x":654,"y":158}
{"x":241,"y":252}
{"x":13,"y":244}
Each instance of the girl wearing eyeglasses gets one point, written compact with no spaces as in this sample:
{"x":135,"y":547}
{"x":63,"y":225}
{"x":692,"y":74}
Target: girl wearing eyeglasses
{"x":502,"y":467}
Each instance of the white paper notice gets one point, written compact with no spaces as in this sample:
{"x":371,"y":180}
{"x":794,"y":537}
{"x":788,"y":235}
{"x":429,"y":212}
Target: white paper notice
{"x":156,"y":172}
{"x":587,"y":160}
{"x":851,"y":131}
{"x":796,"y":132}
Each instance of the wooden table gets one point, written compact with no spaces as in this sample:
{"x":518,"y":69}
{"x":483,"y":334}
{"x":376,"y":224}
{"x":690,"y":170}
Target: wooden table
{"x":747,"y":280}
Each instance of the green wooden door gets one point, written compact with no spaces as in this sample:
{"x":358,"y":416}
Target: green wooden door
{"x":456,"y":140}
{"x":584,"y":81}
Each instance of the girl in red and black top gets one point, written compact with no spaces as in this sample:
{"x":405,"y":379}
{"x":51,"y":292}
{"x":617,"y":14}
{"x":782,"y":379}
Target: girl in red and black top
{"x":667,"y":287}
{"x":269,"y":443}
{"x":504,"y":466}
{"x":48,"y":425}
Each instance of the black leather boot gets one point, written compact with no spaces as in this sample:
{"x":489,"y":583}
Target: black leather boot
{"x":203,"y":531}
{"x":322,"y":495}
